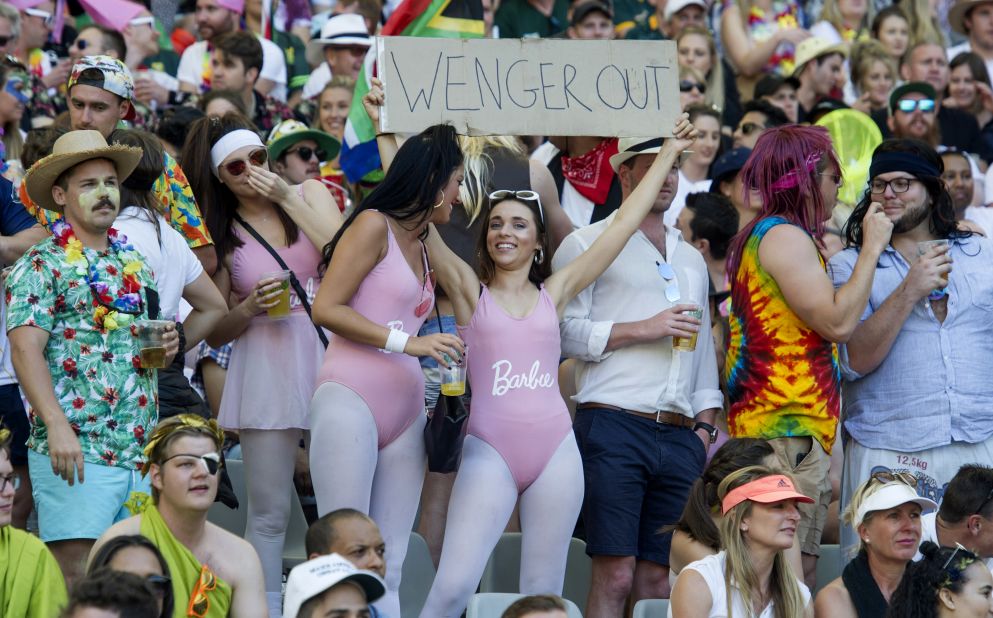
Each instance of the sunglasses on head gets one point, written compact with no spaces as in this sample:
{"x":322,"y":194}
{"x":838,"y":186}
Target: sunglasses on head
{"x":306,"y":152}
{"x":47,"y":17}
{"x":926,"y":106}
{"x":686,"y":85}
{"x":526,"y":196}
{"x":884,"y":477}
{"x":238,"y":166}
{"x":212,"y":461}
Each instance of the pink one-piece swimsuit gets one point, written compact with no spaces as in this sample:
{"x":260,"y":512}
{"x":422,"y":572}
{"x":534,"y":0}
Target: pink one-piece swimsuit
{"x":513,"y":371}
{"x":391,"y":384}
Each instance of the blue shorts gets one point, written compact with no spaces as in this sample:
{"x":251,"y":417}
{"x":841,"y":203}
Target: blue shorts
{"x":638,"y":475}
{"x":15,"y":418}
{"x":94,"y":505}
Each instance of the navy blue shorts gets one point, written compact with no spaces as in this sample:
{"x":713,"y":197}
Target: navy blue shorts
{"x":15,"y":418}
{"x":638,"y":475}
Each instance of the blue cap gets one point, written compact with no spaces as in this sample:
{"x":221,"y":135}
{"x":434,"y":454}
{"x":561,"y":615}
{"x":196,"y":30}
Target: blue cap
{"x":729,"y":163}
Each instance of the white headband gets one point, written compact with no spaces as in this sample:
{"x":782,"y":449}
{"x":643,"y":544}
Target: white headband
{"x":230,"y":142}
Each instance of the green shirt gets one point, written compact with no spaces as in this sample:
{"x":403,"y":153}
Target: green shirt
{"x":31,"y":584}
{"x":518,"y":18}
{"x":297,"y":69}
{"x":108,"y":400}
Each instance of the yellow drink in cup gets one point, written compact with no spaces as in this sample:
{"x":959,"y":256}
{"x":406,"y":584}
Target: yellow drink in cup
{"x":453,"y":389}
{"x":688,"y":344}
{"x":151,"y":345}
{"x":453,"y":378}
{"x":282,"y":308}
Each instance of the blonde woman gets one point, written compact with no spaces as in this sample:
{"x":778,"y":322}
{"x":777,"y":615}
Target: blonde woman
{"x":692,"y":88}
{"x":873,"y":75}
{"x":696,"y":49}
{"x":760,"y":36}
{"x":751,"y":575}
{"x":843,"y":21}
{"x":923,"y":18}
{"x":886,"y":512}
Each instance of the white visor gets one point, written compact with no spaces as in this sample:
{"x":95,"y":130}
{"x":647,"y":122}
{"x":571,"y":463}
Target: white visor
{"x":230,"y":142}
{"x":892,"y":495}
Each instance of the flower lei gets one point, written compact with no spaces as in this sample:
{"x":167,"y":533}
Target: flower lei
{"x":114,"y":307}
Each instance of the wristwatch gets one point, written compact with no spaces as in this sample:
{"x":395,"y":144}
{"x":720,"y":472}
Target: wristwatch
{"x":710,"y":429}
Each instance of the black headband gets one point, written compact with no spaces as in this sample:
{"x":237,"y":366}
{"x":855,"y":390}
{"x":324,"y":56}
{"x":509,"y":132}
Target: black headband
{"x":901,"y":162}
{"x":643,"y":146}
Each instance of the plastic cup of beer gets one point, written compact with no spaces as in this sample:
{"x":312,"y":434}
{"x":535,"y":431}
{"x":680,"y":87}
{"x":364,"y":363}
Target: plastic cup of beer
{"x":924,"y":247}
{"x":282,"y":308}
{"x":453,"y":377}
{"x":151,"y":342}
{"x":688,"y":344}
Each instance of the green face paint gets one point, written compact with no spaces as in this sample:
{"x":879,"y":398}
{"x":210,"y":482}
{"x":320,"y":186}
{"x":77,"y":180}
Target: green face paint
{"x":92,"y":196}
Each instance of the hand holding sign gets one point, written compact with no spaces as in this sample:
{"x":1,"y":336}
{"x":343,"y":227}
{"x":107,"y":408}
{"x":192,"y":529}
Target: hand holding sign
{"x":684,"y":134}
{"x":373,"y":100}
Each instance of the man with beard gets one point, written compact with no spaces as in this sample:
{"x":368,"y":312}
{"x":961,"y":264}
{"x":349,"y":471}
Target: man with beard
{"x":913,"y":112}
{"x":917,"y":393}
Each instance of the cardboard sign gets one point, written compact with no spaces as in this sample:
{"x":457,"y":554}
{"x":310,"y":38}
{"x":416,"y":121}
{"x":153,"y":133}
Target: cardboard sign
{"x":529,"y":86}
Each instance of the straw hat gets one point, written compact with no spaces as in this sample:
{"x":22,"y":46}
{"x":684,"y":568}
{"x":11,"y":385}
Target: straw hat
{"x":71,"y":149}
{"x":815,"y":47}
{"x":956,"y":14}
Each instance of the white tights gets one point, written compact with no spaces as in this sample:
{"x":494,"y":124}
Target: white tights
{"x":483,"y":499}
{"x":349,"y":471}
{"x":269,"y":456}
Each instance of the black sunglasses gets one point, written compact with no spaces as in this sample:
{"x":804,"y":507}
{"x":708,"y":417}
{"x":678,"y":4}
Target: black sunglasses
{"x":751,"y":127}
{"x":306,"y":152}
{"x":238,"y":167}
{"x":686,"y":85}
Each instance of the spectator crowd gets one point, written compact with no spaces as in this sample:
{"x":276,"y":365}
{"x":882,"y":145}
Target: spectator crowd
{"x":716,"y":357}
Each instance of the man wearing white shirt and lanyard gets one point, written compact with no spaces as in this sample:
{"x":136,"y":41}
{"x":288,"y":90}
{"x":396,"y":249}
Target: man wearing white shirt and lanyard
{"x":645,"y":411}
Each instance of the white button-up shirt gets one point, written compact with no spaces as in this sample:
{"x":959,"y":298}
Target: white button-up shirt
{"x":649,"y":376}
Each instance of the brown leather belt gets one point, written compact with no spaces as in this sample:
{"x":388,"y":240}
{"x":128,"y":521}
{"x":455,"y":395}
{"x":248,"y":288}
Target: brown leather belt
{"x":660,"y":416}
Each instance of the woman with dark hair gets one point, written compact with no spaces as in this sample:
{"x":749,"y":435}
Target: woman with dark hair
{"x":251,"y":213}
{"x":136,"y":554}
{"x":750,"y":576}
{"x":696,"y":535}
{"x":15,"y":95}
{"x":520,"y":444}
{"x":367,"y":414}
{"x":948,"y":582}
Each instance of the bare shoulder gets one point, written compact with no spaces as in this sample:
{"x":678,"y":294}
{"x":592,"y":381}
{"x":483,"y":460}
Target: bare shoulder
{"x":833,"y":601}
{"x":237,"y":555}
{"x":369,"y":224}
{"x":315,"y":188}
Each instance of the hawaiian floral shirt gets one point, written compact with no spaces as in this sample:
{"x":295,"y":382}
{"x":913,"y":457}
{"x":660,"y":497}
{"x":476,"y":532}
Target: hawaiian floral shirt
{"x":108,"y":399}
{"x":176,"y":202}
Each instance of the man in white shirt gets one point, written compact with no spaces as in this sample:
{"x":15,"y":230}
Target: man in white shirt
{"x":214,"y":18}
{"x":965,"y":516}
{"x":974,"y":19}
{"x":340,"y":50}
{"x":645,"y":411}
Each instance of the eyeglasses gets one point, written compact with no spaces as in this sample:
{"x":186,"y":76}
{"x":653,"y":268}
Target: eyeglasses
{"x":884,"y":477}
{"x":13,"y":479}
{"x":159,"y":584}
{"x":212,"y":461}
{"x":238,"y":167}
{"x":898,"y":185}
{"x":527,"y":196}
{"x":199,"y":601}
{"x":982,"y":505}
{"x":306,"y":152}
{"x":47,"y":17}
{"x":751,"y":127}
{"x":908,"y":106}
{"x":672,"y":283}
{"x":427,"y":294}
{"x":148,"y":20}
{"x":686,"y":85}
{"x":836,"y":178}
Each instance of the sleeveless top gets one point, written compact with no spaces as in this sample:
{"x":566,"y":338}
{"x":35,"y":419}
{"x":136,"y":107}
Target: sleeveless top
{"x":513,"y":363}
{"x":251,"y":260}
{"x":783,"y":378}
{"x":387,"y":296}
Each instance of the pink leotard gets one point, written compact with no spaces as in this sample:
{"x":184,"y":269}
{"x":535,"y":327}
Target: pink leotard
{"x":513,"y":371}
{"x":392,"y":385}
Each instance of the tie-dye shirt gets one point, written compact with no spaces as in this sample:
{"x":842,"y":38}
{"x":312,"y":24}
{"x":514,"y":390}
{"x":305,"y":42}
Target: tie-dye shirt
{"x":783,"y":378}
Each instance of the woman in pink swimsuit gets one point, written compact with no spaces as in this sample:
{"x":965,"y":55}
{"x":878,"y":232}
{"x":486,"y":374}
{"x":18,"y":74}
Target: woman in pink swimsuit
{"x":367,"y":415}
{"x":520,"y":443}
{"x":273,"y":362}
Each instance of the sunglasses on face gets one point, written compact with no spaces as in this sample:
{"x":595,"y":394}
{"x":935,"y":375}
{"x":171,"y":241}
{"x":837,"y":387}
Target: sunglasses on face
{"x":238,"y":167}
{"x":908,"y":106}
{"x":306,"y":152}
{"x":687,"y":85}
{"x":750,"y":127}
{"x":526,"y":196}
{"x":46,"y":17}
{"x":667,"y":273}
{"x":211,"y":461}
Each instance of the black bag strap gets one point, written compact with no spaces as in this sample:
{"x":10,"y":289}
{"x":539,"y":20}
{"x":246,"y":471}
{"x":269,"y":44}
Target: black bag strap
{"x":301,"y":293}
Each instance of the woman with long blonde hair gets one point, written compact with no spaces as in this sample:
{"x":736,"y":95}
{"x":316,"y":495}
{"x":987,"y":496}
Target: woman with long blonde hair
{"x":751,"y":575}
{"x":696,"y":49}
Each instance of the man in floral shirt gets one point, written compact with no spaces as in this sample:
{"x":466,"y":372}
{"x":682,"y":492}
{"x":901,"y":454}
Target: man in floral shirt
{"x":73,"y":301}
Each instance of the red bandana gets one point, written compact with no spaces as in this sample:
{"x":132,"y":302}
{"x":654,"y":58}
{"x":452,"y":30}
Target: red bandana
{"x":591,"y":174}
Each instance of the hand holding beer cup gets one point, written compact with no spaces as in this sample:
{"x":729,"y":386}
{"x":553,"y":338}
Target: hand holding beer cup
{"x":158,"y":343}
{"x":272,"y":294}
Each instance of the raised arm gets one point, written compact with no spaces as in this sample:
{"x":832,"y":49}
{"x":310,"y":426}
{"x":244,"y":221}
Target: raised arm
{"x":584,"y":270}
{"x":749,"y":56}
{"x":361,"y":247}
{"x":789,"y":255}
{"x":457,"y":278}
{"x":387,"y":142}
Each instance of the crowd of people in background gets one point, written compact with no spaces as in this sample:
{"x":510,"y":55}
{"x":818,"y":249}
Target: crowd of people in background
{"x":709,"y":352}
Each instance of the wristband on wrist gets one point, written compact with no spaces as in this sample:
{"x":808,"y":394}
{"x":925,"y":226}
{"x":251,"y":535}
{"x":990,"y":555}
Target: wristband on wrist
{"x":397,"y":341}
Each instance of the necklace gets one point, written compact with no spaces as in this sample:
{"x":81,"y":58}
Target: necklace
{"x":112,"y":307}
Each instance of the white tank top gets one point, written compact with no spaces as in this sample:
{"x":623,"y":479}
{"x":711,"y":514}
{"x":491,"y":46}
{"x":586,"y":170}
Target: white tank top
{"x":711,"y":569}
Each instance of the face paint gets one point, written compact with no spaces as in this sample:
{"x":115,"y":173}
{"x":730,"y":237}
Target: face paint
{"x":91,"y":198}
{"x":17,"y":87}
